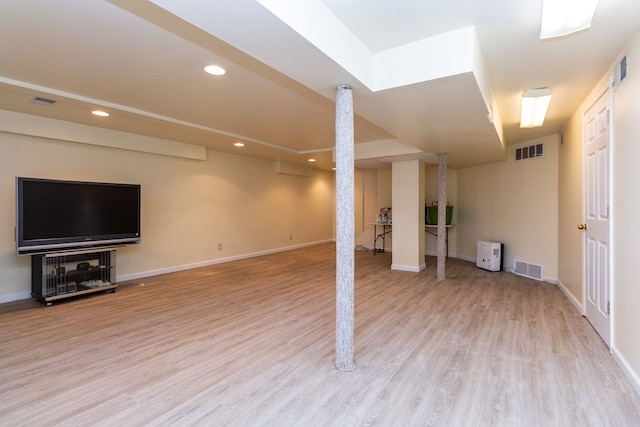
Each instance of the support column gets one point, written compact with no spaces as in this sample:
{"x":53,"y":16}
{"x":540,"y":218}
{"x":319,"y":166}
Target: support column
{"x":442,"y":215}
{"x":345,"y":240}
{"x":408,"y":183}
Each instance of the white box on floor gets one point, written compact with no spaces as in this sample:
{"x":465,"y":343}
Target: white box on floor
{"x":489,"y":256}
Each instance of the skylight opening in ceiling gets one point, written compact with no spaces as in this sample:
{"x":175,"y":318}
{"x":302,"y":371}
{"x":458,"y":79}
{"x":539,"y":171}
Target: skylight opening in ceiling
{"x":563,"y":17}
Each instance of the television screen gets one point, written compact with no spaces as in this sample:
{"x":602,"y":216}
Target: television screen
{"x":55,"y":215}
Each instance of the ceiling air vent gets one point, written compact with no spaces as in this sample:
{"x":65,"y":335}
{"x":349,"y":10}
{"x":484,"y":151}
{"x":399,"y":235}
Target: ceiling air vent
{"x":529,"y":152}
{"x":42,"y":101}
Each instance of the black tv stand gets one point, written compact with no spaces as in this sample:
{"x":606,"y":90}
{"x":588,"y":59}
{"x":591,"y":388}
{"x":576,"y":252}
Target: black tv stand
{"x":60,"y":275}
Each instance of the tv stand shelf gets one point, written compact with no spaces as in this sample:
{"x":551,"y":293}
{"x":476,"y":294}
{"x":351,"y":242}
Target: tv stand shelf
{"x":58,"y":276}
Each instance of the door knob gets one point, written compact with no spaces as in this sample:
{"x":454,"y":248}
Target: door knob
{"x":582,"y":226}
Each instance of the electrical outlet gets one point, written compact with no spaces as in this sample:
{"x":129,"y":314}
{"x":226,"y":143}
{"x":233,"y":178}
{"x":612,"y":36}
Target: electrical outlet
{"x":219,"y":246}
{"x":290,"y":236}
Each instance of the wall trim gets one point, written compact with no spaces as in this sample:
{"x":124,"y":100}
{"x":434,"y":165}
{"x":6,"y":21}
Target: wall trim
{"x":173,"y":269}
{"x":451,"y":255}
{"x":633,"y":377}
{"x":466,"y":258}
{"x":15,"y":297}
{"x":409,"y":268}
{"x":577,"y":304}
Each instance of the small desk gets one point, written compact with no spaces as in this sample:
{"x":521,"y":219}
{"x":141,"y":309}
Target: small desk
{"x":386,"y":229}
{"x":446,"y":238}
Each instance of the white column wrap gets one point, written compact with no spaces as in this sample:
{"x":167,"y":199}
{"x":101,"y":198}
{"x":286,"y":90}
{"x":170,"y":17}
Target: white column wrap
{"x":344,"y":229}
{"x":442,"y":215}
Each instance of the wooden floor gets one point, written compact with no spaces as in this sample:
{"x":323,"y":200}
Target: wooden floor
{"x":251,"y":343}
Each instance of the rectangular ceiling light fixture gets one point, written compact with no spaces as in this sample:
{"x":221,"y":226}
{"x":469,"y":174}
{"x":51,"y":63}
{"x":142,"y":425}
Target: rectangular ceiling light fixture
{"x":564,"y":17}
{"x":534,"y":107}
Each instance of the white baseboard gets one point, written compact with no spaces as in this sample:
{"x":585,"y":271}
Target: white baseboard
{"x":577,"y":304}
{"x":466,"y":258}
{"x":173,"y":269}
{"x":410,"y":268}
{"x":15,"y":297}
{"x":451,"y":255}
{"x":631,"y":375}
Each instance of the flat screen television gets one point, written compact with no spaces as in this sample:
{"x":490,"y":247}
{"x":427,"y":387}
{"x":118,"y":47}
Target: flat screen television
{"x":55,"y":215}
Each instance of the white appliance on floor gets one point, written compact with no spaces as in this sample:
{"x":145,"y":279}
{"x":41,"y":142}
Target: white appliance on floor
{"x":489,"y":255}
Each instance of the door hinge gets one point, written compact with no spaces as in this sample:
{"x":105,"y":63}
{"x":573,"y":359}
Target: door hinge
{"x":608,"y":307}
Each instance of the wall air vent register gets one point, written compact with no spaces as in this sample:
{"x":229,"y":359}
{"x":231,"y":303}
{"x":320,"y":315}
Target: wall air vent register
{"x":530,"y":152}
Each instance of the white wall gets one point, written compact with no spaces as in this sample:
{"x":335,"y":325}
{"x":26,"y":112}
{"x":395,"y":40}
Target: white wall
{"x":625,"y":211}
{"x":373,"y":192}
{"x":188,"y":206}
{"x":515,"y":203}
{"x":624,"y":205}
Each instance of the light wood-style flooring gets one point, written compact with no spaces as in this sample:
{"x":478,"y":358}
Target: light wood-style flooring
{"x":251,"y":343}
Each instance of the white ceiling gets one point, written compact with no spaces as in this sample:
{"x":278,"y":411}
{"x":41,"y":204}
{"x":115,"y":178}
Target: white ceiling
{"x":143,"y":64}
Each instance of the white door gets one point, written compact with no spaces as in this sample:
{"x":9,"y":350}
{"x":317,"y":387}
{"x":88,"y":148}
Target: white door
{"x":597,"y":217}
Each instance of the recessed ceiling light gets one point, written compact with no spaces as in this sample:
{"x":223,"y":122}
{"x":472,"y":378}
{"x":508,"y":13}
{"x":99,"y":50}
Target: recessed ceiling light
{"x":312,"y":160}
{"x":216,"y":70}
{"x":238,"y":144}
{"x":100,"y":113}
